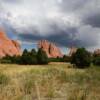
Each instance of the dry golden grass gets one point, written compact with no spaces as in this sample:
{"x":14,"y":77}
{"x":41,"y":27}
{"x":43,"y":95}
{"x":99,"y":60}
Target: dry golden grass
{"x":56,"y":81}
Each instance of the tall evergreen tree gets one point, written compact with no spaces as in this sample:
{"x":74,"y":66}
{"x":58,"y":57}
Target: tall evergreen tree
{"x":81,"y":58}
{"x":33,"y":56}
{"x":42,"y":57}
{"x":25,"y":57}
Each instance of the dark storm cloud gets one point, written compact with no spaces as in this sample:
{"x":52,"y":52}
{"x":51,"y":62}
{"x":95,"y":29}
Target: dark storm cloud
{"x":61,"y":40}
{"x":87,"y":10}
{"x":93,"y":20}
{"x":65,"y":39}
{"x":65,"y":22}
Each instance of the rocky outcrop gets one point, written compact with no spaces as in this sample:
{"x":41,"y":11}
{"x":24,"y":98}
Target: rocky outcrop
{"x":72,"y":51}
{"x":97,"y":52}
{"x":51,"y":49}
{"x":7,"y":46}
{"x":17,"y":45}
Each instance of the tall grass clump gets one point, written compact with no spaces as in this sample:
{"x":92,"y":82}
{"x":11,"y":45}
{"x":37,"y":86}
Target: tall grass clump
{"x":27,"y":82}
{"x":4,"y":79}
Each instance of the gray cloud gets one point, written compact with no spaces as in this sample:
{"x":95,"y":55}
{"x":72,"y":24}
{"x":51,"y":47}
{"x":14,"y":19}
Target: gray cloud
{"x":73,"y":5}
{"x":77,"y":37}
{"x":65,"y":22}
{"x":10,"y":1}
{"x":93,"y":20}
{"x":64,"y":41}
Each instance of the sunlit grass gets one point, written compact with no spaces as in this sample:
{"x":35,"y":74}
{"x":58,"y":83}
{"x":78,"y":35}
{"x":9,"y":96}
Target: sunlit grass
{"x":56,"y":81}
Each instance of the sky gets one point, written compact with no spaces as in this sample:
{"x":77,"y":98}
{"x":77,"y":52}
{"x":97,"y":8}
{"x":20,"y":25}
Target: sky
{"x":65,"y":22}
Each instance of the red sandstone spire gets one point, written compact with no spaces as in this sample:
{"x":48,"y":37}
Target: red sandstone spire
{"x":7,"y":46}
{"x":51,"y":50}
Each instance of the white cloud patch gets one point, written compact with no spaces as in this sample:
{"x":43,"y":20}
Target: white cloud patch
{"x":67,"y":19}
{"x":36,"y":13}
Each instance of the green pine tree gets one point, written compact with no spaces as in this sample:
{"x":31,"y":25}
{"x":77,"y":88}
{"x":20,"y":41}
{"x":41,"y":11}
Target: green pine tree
{"x":42,"y":57}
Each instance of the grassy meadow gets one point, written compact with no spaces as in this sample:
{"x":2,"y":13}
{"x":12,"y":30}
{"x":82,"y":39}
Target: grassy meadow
{"x":56,"y":81}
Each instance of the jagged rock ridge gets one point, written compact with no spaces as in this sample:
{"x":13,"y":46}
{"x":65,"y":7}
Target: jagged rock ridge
{"x":7,"y":46}
{"x":51,"y":49}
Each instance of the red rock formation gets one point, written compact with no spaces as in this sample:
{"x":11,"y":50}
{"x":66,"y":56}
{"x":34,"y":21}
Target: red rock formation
{"x":72,"y":51}
{"x":17,"y":45}
{"x":51,"y":50}
{"x":97,"y":52}
{"x":7,"y":46}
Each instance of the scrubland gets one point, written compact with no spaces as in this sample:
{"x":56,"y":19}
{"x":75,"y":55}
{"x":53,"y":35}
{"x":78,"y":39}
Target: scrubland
{"x":55,"y":81}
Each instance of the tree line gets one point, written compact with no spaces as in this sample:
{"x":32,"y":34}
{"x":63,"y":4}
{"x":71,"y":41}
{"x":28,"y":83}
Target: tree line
{"x":27,"y":58}
{"x":81,"y":59}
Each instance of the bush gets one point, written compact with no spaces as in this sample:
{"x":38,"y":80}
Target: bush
{"x":56,"y":59}
{"x":42,"y":57}
{"x":81,"y":58}
{"x":96,"y":61}
{"x":66,"y":58}
{"x":10,"y":59}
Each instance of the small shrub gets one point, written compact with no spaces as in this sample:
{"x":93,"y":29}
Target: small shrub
{"x":66,"y":58}
{"x":56,"y":59}
{"x":10,"y":60}
{"x":96,"y":61}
